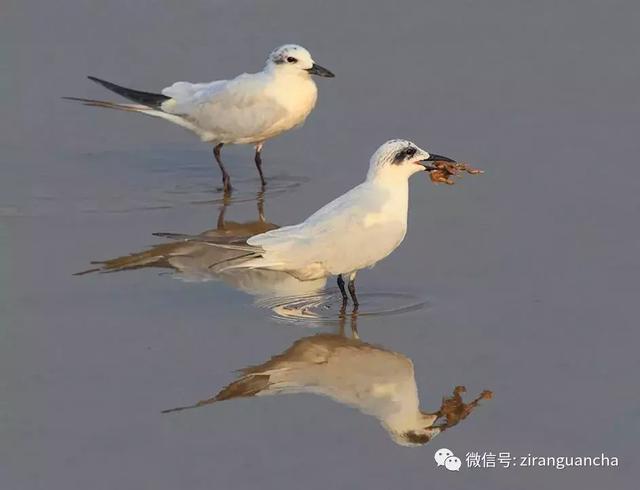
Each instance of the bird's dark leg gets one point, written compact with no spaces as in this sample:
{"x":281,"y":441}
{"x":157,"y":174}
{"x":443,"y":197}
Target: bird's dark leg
{"x":258,"y":160}
{"x":352,"y":290}
{"x":226,"y":180}
{"x":342,"y":290}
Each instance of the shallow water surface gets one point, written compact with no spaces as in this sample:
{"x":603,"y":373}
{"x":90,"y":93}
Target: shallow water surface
{"x":523,"y":280}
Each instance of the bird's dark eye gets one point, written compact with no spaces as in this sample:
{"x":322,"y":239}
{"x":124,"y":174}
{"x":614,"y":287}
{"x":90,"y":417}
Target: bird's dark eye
{"x":402,"y":155}
{"x":291,"y":59}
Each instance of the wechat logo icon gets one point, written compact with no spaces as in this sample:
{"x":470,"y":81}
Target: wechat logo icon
{"x":445,"y":457}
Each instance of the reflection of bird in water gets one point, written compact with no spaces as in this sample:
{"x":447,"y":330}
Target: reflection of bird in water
{"x":375,"y":380}
{"x":191,"y":256}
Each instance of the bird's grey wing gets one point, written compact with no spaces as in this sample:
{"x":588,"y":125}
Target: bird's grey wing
{"x":344,"y":231}
{"x":373,"y":379}
{"x":309,"y":350}
{"x":227,"y":109}
{"x":259,"y":379}
{"x":346,"y":355}
{"x":336,"y":214}
{"x":348,"y":370}
{"x":186,"y":95}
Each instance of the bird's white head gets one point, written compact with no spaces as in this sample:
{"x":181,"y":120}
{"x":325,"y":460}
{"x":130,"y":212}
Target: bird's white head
{"x":294,"y":59}
{"x":397,"y":160}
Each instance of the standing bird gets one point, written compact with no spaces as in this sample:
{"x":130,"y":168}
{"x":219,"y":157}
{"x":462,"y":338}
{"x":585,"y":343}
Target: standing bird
{"x":248,"y":109}
{"x":352,"y":232}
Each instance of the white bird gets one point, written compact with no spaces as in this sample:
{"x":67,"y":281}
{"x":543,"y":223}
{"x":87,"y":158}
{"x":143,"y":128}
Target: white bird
{"x":376,"y":381}
{"x":248,"y":109}
{"x":352,"y":232}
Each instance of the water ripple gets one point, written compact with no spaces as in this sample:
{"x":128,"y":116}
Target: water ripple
{"x":325,"y":307}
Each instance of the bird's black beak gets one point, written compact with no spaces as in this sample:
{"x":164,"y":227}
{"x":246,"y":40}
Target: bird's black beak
{"x":426,"y":163}
{"x":321,"y":71}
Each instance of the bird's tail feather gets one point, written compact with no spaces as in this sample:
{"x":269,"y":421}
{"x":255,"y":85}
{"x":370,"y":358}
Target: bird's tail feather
{"x":140,"y":109}
{"x":201,"y":403}
{"x":177,"y":236}
{"x":238,"y":262}
{"x":111,"y":105}
{"x":148,"y":99}
{"x":240,"y":247}
{"x":244,"y":387}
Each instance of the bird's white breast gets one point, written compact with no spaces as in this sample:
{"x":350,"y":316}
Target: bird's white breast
{"x":297,"y":95}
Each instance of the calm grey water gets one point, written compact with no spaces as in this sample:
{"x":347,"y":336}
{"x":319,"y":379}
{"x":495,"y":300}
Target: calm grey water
{"x":528,"y":274}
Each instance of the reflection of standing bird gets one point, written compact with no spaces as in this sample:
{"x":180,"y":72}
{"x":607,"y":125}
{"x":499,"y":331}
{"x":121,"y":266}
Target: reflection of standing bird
{"x":377,"y":381}
{"x":352,"y":232}
{"x":191,"y":255}
{"x":248,"y":109}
